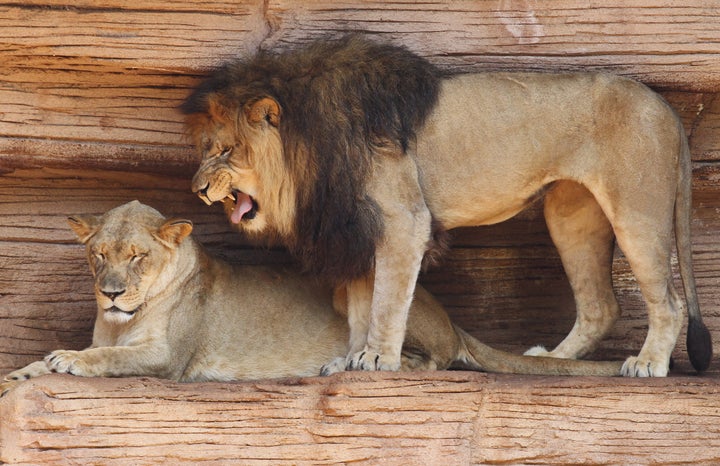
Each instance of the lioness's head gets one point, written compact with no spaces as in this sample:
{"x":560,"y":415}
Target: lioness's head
{"x":131,"y":250}
{"x":242,"y":160}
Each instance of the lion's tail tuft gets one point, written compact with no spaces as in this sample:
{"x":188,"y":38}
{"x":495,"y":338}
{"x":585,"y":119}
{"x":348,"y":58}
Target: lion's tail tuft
{"x":699,"y":341}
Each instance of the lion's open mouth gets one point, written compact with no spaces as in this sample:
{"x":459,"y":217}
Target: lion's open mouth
{"x":245,"y":207}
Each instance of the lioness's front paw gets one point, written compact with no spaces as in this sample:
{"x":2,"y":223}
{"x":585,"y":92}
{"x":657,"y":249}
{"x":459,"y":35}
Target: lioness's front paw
{"x":368,"y":360}
{"x":334,"y":366}
{"x":8,"y":385}
{"x":68,"y":362}
{"x":35,"y":369}
{"x":636,"y":366}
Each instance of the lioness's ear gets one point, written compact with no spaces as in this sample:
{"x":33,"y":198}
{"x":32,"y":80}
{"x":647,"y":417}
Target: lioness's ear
{"x":84,"y":227}
{"x":265,"y":109}
{"x":173,"y":232}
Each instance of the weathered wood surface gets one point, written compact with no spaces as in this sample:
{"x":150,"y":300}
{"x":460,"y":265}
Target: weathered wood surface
{"x":453,"y":418}
{"x":98,"y":83}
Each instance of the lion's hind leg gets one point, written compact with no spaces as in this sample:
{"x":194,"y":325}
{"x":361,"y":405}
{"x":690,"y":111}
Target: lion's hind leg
{"x":647,"y":248}
{"x":585,"y":240}
{"x":643,"y":224}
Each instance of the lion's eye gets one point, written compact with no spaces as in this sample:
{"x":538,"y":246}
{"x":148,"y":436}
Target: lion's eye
{"x":100,"y":257}
{"x":221,"y":153}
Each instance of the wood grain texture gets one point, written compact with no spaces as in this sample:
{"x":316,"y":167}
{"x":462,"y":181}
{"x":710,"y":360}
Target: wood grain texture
{"x":454,"y":418}
{"x":666,"y":44}
{"x":98,"y":84}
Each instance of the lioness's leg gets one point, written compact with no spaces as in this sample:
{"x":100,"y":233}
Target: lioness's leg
{"x":114,"y":361}
{"x":406,"y":221}
{"x":585,"y":240}
{"x":357,"y":299}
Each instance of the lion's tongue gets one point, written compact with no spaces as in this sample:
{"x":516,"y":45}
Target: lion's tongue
{"x":243,"y":205}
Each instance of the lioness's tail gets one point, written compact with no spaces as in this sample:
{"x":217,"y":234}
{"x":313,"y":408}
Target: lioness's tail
{"x":699,"y":341}
{"x":481,"y":357}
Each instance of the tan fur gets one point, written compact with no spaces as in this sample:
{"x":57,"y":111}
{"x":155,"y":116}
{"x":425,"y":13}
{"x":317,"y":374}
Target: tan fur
{"x":612,"y":153}
{"x":197,"y":318}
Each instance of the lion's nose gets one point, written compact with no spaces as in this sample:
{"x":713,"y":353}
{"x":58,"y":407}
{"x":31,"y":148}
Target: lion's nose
{"x":202,"y":193}
{"x":112,"y":294}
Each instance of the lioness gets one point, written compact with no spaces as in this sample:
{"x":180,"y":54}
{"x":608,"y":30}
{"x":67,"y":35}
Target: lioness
{"x":347,"y":150}
{"x":168,"y":309}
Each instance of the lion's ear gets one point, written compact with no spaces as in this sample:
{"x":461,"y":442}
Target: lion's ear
{"x":265,"y":109}
{"x":84,"y":227}
{"x":216,"y":109}
{"x":173,"y":232}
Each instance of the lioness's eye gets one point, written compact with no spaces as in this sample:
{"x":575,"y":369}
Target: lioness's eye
{"x":100,"y":257}
{"x":137,"y":258}
{"x":226,"y":151}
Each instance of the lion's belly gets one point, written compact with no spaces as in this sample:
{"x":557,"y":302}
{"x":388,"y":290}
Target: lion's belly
{"x":476,"y":210}
{"x":496,"y":139}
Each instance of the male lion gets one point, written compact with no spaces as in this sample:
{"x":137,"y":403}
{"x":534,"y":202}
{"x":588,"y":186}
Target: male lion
{"x":168,"y":309}
{"x":348,"y":150}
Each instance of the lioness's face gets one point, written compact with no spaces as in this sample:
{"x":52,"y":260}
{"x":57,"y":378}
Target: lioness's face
{"x":124,"y":269}
{"x":230,"y":144}
{"x":130,"y":255}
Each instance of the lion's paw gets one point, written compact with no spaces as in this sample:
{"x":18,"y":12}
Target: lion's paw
{"x":538,"y":350}
{"x":333,"y":367}
{"x":68,"y":362}
{"x":636,"y":366}
{"x":368,"y":360}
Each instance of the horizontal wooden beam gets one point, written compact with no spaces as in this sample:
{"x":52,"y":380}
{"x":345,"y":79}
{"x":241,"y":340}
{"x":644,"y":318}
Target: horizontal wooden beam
{"x":364,"y":418}
{"x":99,"y":84}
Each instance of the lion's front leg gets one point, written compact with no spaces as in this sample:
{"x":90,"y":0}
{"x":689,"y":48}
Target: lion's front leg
{"x":395,"y":279}
{"x":398,"y":257}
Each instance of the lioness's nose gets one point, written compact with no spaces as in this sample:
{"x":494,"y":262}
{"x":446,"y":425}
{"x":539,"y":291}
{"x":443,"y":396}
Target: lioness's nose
{"x":112,"y":294}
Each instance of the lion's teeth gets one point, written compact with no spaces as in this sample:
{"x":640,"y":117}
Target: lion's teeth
{"x":206,"y":200}
{"x":232,"y":197}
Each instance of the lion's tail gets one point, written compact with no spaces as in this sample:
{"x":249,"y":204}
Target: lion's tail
{"x":481,"y":357}
{"x":699,"y":341}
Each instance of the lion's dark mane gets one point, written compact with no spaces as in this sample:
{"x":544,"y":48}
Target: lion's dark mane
{"x":340,"y":99}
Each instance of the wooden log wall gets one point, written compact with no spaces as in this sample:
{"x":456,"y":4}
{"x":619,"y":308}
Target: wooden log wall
{"x":88,"y":119}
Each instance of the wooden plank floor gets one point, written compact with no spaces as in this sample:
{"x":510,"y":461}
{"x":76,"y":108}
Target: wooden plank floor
{"x":453,"y":418}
